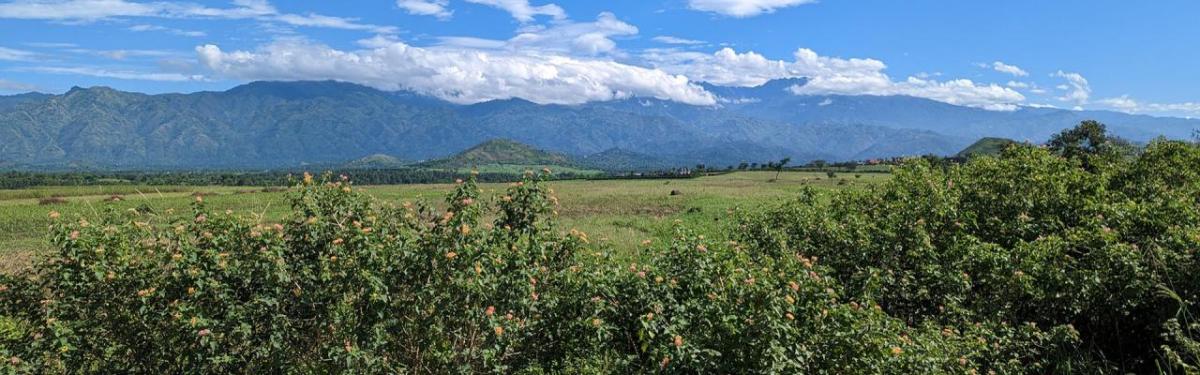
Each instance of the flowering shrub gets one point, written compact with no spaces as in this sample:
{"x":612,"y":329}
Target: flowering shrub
{"x":1026,"y":239}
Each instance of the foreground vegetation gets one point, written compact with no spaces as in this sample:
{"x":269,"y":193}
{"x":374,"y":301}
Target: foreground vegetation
{"x":1077,"y":258}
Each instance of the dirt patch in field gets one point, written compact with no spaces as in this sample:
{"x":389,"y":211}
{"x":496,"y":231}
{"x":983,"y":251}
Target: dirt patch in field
{"x":16,"y":261}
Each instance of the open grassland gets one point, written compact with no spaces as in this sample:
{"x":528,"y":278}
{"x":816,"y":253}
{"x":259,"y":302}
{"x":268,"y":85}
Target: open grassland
{"x":620,"y":212}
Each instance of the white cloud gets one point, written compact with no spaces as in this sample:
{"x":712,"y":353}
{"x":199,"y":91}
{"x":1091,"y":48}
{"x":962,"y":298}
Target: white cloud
{"x":146,"y":28}
{"x":522,"y":11}
{"x":1126,"y":104}
{"x":457,"y":75}
{"x":591,"y":38}
{"x":1001,"y":67}
{"x":94,"y":10}
{"x":317,"y":20}
{"x":1077,"y":87}
{"x":725,"y":67}
{"x":51,"y":45}
{"x":118,"y":74}
{"x":78,"y":10}
{"x":472,"y":42}
{"x":1122,"y":103}
{"x":565,"y":37}
{"x":828,"y":75}
{"x":11,"y":54}
{"x":122,"y":54}
{"x":1017,"y":85}
{"x":378,"y":41}
{"x":744,"y":8}
{"x":676,"y":40}
{"x":436,"y":8}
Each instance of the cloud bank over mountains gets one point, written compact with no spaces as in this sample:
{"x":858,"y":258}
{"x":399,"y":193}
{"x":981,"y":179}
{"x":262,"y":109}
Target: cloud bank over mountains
{"x":550,"y":57}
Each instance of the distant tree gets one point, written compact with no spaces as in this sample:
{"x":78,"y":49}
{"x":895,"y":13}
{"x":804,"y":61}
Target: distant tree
{"x":699,"y":167}
{"x":830,"y":174}
{"x":753,"y":165}
{"x":1091,"y":144}
{"x":743,"y":166}
{"x":819,"y":163}
{"x":1090,"y":137}
{"x":779,"y":166}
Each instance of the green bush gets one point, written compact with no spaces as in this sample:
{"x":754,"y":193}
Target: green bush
{"x":1028,"y":238}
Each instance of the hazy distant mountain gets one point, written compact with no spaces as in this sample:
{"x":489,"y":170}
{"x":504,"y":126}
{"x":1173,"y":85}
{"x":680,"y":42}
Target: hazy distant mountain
{"x":288,"y":124}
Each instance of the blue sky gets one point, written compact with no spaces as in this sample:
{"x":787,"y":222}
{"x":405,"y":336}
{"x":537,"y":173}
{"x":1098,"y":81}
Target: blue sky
{"x":1128,"y":56}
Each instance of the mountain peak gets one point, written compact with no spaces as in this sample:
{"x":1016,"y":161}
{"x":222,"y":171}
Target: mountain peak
{"x":783,"y":83}
{"x":93,"y":89}
{"x":299,"y":89}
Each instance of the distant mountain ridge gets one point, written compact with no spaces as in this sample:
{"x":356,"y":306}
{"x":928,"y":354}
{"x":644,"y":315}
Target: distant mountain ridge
{"x":291,"y":124}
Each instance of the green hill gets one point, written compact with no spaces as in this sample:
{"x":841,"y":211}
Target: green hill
{"x":500,"y":152}
{"x":986,"y":146}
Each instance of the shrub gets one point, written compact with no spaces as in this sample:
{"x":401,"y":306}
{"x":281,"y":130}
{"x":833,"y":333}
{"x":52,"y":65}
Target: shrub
{"x":1026,"y":238}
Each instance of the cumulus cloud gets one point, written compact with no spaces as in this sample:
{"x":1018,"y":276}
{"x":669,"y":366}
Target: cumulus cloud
{"x":725,"y":67}
{"x":676,"y":40}
{"x":457,"y":75}
{"x":1077,"y":88}
{"x":436,"y":8}
{"x":565,"y":37}
{"x":829,"y":75}
{"x":590,"y":38}
{"x":1001,"y":67}
{"x":1126,"y":104}
{"x":94,"y":10}
{"x":522,"y":11}
{"x":744,"y":8}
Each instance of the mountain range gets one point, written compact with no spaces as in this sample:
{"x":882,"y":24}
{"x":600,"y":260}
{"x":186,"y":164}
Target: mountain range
{"x":293,"y":124}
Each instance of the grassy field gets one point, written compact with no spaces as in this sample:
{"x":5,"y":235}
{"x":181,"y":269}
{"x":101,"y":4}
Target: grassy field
{"x":620,"y":212}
